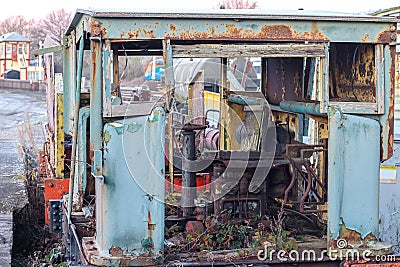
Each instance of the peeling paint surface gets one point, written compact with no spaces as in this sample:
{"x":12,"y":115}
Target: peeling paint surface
{"x":353,"y":176}
{"x":129,"y":215}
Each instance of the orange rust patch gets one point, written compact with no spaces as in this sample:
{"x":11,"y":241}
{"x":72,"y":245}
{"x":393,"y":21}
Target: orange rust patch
{"x":133,"y":34}
{"x":232,"y":31}
{"x":103,"y":31}
{"x":149,"y":33}
{"x":116,"y":252}
{"x":365,"y":38}
{"x":267,"y":32}
{"x":212,"y":32}
{"x":275,"y":32}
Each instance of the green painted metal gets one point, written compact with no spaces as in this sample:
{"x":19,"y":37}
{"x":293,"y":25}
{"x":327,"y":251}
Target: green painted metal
{"x":80,"y":180}
{"x":107,"y":70}
{"x":74,"y":155}
{"x":47,"y":50}
{"x":96,"y":100}
{"x":240,"y":26}
{"x":169,"y":72}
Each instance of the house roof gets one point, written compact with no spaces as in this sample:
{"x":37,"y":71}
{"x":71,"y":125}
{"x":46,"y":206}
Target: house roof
{"x":13,"y":37}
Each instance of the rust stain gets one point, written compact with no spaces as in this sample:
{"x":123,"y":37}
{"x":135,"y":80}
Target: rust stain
{"x":122,"y":34}
{"x":390,"y":119}
{"x":103,"y":31}
{"x":150,"y":225}
{"x":276,"y":32}
{"x":134,"y":34}
{"x":172,"y":27}
{"x":352,"y":237}
{"x":384,"y":37}
{"x":96,"y":29}
{"x":366,"y":38}
{"x":314,"y":26}
{"x":149,"y":33}
{"x":116,"y":252}
{"x":232,"y":30}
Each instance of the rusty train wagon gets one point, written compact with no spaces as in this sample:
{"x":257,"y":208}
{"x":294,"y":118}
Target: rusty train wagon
{"x":269,"y":150}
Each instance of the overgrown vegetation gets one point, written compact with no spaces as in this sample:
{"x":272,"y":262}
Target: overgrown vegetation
{"x":33,"y":244}
{"x":223,"y":232}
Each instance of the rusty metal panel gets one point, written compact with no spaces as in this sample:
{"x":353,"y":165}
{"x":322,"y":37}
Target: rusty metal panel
{"x":387,"y":119}
{"x":353,"y":72}
{"x":284,"y":79}
{"x":239,"y":25}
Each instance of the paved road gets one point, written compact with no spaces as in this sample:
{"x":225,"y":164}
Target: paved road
{"x":14,"y":106}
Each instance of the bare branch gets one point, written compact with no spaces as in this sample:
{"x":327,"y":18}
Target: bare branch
{"x":238,"y":4}
{"x":55,"y":24}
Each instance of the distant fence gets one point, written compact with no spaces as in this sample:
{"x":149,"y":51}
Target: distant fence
{"x":21,"y":85}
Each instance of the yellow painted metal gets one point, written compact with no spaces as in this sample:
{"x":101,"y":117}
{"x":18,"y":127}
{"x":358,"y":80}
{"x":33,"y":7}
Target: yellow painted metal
{"x":211,"y":100}
{"x":234,"y":116}
{"x":59,"y":136}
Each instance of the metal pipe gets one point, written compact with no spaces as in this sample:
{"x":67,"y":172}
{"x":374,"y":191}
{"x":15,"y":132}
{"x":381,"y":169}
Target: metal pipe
{"x":211,"y":138}
{"x":308,"y":188}
{"x":242,"y":100}
{"x":75,"y":130}
{"x":301,"y":107}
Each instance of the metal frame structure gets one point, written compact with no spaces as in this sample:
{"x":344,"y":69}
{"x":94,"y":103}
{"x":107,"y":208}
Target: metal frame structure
{"x":130,"y":229}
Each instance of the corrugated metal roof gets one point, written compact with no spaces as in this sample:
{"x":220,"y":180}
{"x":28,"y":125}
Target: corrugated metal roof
{"x":13,"y":37}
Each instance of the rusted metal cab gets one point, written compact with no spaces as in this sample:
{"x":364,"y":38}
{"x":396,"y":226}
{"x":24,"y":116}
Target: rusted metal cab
{"x":293,"y":112}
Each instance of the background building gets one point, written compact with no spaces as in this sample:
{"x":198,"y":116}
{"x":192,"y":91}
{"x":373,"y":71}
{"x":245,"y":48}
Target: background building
{"x":14,"y":56}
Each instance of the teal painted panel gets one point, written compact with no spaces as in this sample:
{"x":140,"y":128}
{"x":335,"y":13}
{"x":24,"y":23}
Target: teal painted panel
{"x":353,"y":171}
{"x":132,"y":196}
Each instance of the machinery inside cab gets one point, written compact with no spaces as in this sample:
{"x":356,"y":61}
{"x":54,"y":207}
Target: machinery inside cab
{"x":222,"y":132}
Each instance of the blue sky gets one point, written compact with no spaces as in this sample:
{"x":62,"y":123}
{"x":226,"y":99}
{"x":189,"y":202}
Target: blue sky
{"x":39,"y":8}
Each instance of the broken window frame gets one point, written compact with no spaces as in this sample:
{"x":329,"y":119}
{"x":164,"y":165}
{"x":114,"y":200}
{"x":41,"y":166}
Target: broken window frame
{"x":376,"y":107}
